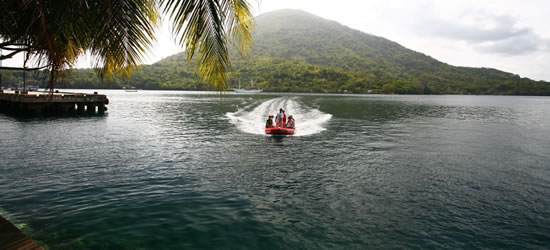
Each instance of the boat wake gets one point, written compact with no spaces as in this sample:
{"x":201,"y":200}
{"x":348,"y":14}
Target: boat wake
{"x":252,"y":119}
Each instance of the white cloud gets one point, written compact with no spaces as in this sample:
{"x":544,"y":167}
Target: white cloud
{"x":506,"y":35}
{"x":516,"y":45}
{"x":485,"y":32}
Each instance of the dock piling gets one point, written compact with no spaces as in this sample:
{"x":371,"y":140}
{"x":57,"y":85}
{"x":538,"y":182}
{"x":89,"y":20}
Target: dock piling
{"x":90,"y":107}
{"x":80,"y":108}
{"x":101,"y":108}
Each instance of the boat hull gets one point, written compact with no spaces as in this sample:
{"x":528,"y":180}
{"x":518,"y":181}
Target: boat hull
{"x":279,"y":131}
{"x":247,"y":91}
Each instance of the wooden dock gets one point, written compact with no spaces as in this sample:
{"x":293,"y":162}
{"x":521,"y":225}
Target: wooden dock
{"x":11,"y":238}
{"x":35,"y":103}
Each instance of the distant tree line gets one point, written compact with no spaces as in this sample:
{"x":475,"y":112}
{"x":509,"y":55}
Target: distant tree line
{"x":279,"y":75}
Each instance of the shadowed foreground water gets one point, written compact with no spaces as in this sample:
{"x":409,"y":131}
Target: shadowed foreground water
{"x":183,"y":170}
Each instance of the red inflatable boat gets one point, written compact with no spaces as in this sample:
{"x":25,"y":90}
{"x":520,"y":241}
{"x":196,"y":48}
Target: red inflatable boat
{"x":279,"y":131}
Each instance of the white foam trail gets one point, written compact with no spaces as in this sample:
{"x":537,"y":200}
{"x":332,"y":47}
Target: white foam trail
{"x":308,"y":120}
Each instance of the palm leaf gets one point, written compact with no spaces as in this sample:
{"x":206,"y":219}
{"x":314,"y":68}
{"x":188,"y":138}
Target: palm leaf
{"x":125,"y":35}
{"x":203,"y":28}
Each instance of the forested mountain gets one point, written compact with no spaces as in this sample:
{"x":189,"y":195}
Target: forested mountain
{"x":299,"y":52}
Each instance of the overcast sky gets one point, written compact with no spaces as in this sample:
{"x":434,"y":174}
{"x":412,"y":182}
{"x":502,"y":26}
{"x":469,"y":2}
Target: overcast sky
{"x":510,"y":35}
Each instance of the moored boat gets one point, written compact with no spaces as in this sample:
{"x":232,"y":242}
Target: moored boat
{"x":279,"y":131}
{"x":247,"y":91}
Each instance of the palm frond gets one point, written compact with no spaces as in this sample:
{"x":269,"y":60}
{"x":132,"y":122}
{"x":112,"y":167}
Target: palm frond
{"x":126,"y":34}
{"x":203,"y":28}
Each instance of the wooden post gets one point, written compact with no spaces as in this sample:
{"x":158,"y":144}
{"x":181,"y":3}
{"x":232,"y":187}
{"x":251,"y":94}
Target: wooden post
{"x":80,"y":108}
{"x":101,"y":108}
{"x":90,"y":108}
{"x":72,"y":108}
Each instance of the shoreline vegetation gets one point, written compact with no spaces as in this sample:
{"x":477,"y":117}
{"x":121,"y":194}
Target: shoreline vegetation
{"x":162,"y":77}
{"x":230,"y":90}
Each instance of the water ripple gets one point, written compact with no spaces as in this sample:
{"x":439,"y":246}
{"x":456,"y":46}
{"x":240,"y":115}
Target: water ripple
{"x":177,"y":170}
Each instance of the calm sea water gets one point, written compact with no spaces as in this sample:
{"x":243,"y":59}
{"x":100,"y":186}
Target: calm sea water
{"x":192,"y":170}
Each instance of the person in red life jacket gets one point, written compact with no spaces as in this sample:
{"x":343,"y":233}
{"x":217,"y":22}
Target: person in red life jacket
{"x":291,"y":122}
{"x":269,"y":122}
{"x":279,"y":118}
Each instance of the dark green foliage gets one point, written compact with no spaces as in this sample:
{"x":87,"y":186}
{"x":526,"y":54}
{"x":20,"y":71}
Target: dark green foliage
{"x":298,"y":52}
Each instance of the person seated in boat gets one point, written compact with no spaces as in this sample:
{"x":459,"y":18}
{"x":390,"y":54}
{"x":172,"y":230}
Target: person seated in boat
{"x":269,"y":122}
{"x":284,"y":118}
{"x":290,"y":123}
{"x":279,"y":118}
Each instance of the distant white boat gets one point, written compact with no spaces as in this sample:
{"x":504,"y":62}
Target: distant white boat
{"x":131,"y":89}
{"x":247,"y":91}
{"x":250,"y":91}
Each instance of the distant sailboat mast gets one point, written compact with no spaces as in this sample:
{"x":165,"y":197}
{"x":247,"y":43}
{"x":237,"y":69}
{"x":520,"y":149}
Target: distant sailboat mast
{"x":249,"y":91}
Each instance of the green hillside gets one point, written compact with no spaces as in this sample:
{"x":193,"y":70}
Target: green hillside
{"x":299,"y":52}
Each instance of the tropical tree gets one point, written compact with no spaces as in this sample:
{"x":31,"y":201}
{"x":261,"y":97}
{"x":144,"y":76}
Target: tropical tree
{"x":119,"y":33}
